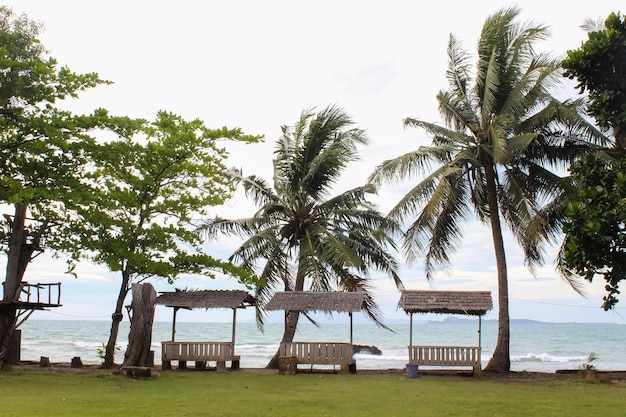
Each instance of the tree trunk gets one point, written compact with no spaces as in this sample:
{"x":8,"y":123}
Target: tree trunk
{"x":8,"y":319}
{"x":17,"y":240}
{"x":500,"y":361}
{"x":140,"y":336}
{"x":117,"y":316}
{"x":291,"y":323}
{"x":14,"y":274}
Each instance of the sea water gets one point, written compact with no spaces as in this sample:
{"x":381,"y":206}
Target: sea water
{"x":535,"y":346}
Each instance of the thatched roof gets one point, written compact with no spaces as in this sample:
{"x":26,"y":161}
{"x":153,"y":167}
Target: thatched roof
{"x":474,"y":303}
{"x":328,"y":302}
{"x":206,"y":299}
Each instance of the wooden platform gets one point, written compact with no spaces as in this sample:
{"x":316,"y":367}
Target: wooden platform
{"x":36,"y":297}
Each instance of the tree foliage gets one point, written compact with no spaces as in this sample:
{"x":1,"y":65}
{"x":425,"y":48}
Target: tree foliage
{"x":42,"y":151}
{"x":599,"y":65}
{"x":41,"y":146}
{"x":505,"y":139}
{"x":595,"y":228}
{"x":146,"y":191}
{"x":595,"y":235}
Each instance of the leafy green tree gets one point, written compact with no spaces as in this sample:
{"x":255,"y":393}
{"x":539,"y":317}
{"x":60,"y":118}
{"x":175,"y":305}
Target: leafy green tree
{"x":595,"y":234}
{"x":503,"y":132}
{"x":595,"y":228}
{"x":147,"y":189}
{"x":305,"y":239}
{"x":599,"y":65}
{"x":41,"y":152}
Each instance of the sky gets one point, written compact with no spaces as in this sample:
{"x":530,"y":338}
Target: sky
{"x":257,"y":65}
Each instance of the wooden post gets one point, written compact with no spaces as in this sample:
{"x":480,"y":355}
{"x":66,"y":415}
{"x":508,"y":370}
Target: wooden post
{"x":234,"y":324}
{"x":350,"y":314}
{"x":479,"y":331}
{"x":77,"y":362}
{"x":411,"y":329}
{"x":174,"y":323}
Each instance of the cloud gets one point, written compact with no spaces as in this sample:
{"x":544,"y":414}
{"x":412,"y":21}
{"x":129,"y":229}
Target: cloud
{"x":368,"y":79}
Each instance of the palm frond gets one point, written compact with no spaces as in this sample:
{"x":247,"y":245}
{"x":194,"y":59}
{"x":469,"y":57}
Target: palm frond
{"x":457,"y":113}
{"x":411,"y":165}
{"x":458,"y":72}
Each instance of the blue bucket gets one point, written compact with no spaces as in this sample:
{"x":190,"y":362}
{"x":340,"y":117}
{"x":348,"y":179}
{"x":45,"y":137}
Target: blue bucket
{"x":411,"y":371}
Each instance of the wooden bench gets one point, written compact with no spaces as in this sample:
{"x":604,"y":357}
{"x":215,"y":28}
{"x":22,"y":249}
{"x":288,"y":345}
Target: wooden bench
{"x":200,"y":352}
{"x":445,"y":356}
{"x":320,"y":353}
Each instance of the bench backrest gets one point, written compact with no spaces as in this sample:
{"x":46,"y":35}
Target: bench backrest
{"x":444,"y":355}
{"x":318,"y":352}
{"x":197,"y":351}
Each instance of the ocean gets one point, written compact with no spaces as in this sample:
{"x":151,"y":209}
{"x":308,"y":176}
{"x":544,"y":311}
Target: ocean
{"x":535,"y":346}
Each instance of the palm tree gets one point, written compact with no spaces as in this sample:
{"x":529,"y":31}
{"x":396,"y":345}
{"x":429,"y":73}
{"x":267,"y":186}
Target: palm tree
{"x":304,"y":238}
{"x":503,"y":134}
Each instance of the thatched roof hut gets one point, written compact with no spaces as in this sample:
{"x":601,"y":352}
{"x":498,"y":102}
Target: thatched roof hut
{"x":475,"y":303}
{"x":190,"y":299}
{"x":324,"y":301}
{"x":206,"y":299}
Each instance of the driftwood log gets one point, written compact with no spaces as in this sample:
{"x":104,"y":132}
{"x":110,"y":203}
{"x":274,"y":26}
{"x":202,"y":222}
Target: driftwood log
{"x":138,"y":353}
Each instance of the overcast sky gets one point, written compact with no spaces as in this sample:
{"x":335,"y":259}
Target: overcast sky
{"x":256,"y":65}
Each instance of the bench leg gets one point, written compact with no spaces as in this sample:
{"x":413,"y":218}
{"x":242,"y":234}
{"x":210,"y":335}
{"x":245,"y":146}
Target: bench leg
{"x":345,"y":369}
{"x":221,"y":366}
{"x":182,"y":364}
{"x":200,"y":365}
{"x":166,"y":365}
{"x":234,"y":365}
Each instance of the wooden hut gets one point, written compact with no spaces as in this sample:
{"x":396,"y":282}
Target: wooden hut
{"x":473,"y":303}
{"x":202,"y":352}
{"x":323,"y":353}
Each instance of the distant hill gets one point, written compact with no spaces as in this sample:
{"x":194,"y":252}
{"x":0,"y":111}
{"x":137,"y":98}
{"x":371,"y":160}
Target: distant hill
{"x":459,"y":320}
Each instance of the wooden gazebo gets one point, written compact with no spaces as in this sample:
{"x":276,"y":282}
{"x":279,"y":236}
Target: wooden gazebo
{"x":202,"y":352}
{"x":325,"y":353}
{"x":473,"y":303}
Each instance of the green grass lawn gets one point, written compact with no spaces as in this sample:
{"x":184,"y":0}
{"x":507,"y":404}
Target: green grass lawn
{"x":177,"y":393}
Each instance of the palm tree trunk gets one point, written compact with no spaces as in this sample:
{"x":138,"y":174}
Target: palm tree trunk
{"x":291,"y":323}
{"x":500,"y":361}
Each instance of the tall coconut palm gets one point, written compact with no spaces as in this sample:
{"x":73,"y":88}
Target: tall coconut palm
{"x":303,"y":238}
{"x":505,"y":140}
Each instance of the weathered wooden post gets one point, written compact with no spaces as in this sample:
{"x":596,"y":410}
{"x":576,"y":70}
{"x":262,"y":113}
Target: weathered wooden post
{"x":77,"y":362}
{"x":137,"y":360}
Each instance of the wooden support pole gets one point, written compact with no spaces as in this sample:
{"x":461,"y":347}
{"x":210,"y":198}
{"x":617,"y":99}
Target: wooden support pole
{"x":174,"y":324}
{"x":351,"y":327}
{"x":234,"y":326}
{"x":411,"y":329}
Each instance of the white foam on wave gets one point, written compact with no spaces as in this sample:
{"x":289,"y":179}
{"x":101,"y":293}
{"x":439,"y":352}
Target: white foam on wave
{"x":87,"y":345}
{"x":545,"y":357}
